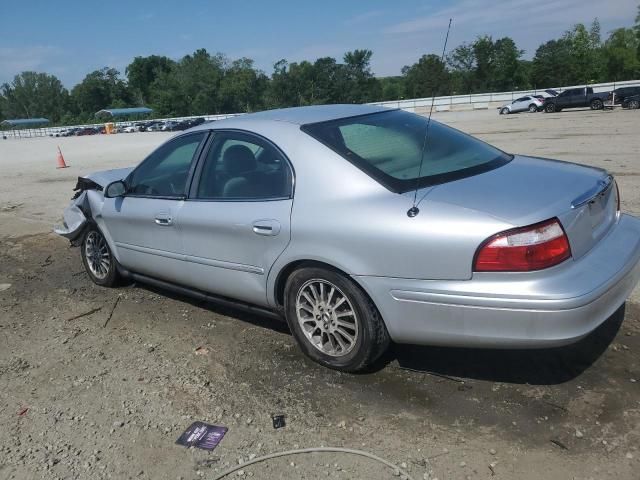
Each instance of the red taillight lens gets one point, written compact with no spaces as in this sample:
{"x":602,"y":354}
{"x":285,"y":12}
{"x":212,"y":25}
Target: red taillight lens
{"x":524,"y":249}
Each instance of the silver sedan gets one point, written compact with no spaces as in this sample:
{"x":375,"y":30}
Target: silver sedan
{"x":360,"y":226}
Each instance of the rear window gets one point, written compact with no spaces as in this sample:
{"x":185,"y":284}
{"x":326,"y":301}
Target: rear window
{"x":388,"y":146}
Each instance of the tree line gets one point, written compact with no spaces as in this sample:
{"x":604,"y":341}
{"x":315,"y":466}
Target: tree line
{"x":201,"y":83}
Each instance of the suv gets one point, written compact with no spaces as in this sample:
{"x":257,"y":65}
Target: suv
{"x":619,"y":95}
{"x":576,"y":98}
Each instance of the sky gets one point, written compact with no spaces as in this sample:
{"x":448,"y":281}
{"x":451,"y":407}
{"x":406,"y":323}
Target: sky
{"x":72,"y":38}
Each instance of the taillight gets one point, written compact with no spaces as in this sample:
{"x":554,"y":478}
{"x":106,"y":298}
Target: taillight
{"x":535,"y":247}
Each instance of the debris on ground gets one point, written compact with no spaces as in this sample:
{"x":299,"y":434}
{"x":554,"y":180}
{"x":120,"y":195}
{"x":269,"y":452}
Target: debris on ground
{"x":278,"y":421}
{"x":202,"y":435}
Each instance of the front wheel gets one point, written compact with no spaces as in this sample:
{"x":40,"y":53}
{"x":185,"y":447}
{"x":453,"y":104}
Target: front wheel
{"x":98,"y":259}
{"x":550,"y":107}
{"x":333,"y":320}
{"x":596,"y":104}
{"x":504,"y":111}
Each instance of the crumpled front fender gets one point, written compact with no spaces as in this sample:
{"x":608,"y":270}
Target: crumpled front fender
{"x":74,"y":218}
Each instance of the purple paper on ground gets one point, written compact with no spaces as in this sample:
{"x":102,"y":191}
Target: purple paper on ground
{"x":202,"y":435}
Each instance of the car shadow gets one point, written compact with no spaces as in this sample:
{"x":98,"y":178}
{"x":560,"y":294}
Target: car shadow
{"x":253,"y":317}
{"x":533,"y":366}
{"x":536,"y":367}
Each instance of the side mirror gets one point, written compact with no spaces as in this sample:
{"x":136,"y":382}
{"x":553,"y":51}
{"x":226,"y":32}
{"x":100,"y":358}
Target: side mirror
{"x":115,"y":189}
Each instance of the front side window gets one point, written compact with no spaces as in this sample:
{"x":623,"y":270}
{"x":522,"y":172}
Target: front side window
{"x":164,"y":173}
{"x":243,"y":167}
{"x":389,"y":147}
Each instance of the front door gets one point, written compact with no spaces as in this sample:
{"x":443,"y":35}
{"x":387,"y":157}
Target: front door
{"x":236,"y":221}
{"x":143,"y":224}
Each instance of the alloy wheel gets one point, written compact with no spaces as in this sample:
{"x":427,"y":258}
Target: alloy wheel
{"x":327,"y":317}
{"x":97,"y":254}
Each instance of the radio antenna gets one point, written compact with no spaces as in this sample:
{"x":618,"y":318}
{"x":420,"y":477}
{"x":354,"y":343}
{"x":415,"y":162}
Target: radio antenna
{"x":414,"y":210}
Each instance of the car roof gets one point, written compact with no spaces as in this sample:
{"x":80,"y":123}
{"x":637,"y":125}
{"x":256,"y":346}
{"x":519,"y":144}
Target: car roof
{"x":304,"y":115}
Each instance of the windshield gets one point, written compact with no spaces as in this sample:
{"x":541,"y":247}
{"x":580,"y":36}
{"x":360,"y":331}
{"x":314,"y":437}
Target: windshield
{"x":388,"y":146}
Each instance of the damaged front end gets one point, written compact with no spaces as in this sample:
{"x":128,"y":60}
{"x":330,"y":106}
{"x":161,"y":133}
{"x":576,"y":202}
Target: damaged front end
{"x":86,"y":203}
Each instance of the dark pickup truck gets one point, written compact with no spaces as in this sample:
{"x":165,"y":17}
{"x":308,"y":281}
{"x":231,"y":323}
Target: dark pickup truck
{"x":576,"y":98}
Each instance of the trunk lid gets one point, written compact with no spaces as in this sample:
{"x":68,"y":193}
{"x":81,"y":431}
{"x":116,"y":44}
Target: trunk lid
{"x":528,"y":190}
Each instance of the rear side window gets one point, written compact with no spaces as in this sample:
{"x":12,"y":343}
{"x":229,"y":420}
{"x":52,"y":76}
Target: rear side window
{"x":241,"y":167}
{"x":389,"y":147}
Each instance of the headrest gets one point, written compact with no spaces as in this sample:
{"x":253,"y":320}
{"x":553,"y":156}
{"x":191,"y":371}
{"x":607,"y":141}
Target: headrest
{"x":238,"y":159}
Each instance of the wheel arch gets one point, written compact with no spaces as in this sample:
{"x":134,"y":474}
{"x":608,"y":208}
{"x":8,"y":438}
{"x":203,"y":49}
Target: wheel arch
{"x":285,"y":272}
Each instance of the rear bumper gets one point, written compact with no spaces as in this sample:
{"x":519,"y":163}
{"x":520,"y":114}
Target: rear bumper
{"x":549,"y":308}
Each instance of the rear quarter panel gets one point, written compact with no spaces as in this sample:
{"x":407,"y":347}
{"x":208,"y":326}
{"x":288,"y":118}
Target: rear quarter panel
{"x":346,"y":219}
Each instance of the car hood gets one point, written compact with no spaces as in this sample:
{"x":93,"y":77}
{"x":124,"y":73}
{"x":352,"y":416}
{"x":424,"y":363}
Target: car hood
{"x":105,"y":177}
{"x":524,"y":191}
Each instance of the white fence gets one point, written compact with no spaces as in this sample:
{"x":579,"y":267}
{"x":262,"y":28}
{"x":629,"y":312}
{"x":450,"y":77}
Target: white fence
{"x":481,"y":101}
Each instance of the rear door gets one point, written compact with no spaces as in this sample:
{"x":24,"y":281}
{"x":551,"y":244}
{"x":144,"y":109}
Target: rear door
{"x":236,"y":221}
{"x":143,"y":223}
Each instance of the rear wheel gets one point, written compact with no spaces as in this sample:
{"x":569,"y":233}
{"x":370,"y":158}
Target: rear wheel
{"x":98,"y":259}
{"x":550,"y":107}
{"x":533,"y":108}
{"x":634,"y":104}
{"x":596,"y":104}
{"x":333,"y":320}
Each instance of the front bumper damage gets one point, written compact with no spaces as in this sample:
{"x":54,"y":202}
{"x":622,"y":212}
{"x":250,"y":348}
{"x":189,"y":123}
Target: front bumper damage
{"x":76,"y":215}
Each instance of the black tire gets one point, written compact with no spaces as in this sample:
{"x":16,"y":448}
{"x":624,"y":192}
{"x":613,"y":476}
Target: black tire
{"x":533,"y":108}
{"x":505,"y":111}
{"x":596,"y":104}
{"x":550,"y":107}
{"x":111,"y":277}
{"x":371,"y":336}
{"x":634,"y":104}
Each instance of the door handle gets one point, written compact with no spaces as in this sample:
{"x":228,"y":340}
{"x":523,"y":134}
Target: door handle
{"x":164,"y":221}
{"x":266,"y":227}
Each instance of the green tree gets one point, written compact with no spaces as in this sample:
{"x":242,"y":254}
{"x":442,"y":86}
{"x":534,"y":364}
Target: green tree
{"x":101,"y":89}
{"x":462,"y":62}
{"x":585,"y":65}
{"x":190,"y":87}
{"x":393,"y":88}
{"x":620,"y":54}
{"x":143,"y":71}
{"x":508,"y":71}
{"x":32,"y":94}
{"x":549,"y":67}
{"x":360,"y":84}
{"x":636,"y":27}
{"x":242,"y":87}
{"x":429,"y":76}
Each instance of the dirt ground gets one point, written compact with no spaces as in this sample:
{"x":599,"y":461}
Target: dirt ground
{"x":99,"y":383}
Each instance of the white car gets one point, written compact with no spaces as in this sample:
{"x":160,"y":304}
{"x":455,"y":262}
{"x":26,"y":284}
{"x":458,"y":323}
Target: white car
{"x":130,"y":129}
{"x":523,"y":104}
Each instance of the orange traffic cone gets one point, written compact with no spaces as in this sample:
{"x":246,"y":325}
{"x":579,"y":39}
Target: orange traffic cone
{"x":61,"y":162}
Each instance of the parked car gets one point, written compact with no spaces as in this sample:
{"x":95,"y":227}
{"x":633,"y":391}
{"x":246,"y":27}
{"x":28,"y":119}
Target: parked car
{"x":308,"y":214}
{"x":155,"y":127}
{"x":129,"y":129}
{"x":576,"y":98}
{"x":85,"y":131}
{"x":631,"y":102}
{"x":65,"y":132}
{"x":529,"y":103}
{"x":619,"y":95}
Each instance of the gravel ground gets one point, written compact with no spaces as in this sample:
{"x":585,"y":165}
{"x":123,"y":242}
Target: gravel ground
{"x":99,"y":383}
